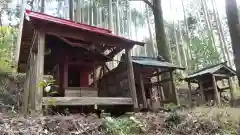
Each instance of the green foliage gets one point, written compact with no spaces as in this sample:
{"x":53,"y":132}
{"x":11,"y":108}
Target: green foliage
{"x":8,"y":38}
{"x":123,"y":126}
{"x":173,"y":120}
{"x":171,"y":106}
{"x":47,"y":86}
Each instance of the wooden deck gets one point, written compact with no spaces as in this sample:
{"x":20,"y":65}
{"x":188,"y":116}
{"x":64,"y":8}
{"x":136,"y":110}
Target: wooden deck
{"x":87,"y":101}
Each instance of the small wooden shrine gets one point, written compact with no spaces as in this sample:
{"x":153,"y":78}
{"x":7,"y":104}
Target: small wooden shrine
{"x":147,"y":74}
{"x":72,"y":53}
{"x":207,"y":78}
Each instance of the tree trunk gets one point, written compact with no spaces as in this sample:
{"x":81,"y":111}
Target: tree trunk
{"x":91,"y":12}
{"x":189,"y":54}
{"x":129,"y":22}
{"x":117,"y":18}
{"x":70,"y":2}
{"x":233,"y":24}
{"x":58,"y":9}
{"x":78,"y":11}
{"x":209,"y":26}
{"x":110,"y":16}
{"x":151,"y":46}
{"x":176,"y":38}
{"x":220,"y":32}
{"x":42,"y":6}
{"x":159,"y":29}
{"x":162,"y":46}
{"x":183,"y":46}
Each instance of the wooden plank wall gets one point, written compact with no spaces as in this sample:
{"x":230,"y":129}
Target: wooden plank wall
{"x":32,"y":93}
{"x":116,"y":85}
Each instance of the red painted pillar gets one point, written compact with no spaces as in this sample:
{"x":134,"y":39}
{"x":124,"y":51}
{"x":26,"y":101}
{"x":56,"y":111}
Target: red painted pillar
{"x":84,"y":78}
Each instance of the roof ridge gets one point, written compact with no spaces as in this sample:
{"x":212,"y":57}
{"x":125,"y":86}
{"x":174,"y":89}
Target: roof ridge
{"x":27,"y":11}
{"x":208,"y":67}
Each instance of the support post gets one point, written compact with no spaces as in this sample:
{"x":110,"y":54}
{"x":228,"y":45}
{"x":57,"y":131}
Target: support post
{"x":104,"y":80}
{"x":173,"y":88}
{"x":217,"y":96}
{"x":131,"y":79}
{"x":143,"y":90}
{"x":65,"y":80}
{"x":26,"y":94}
{"x":160,"y":88}
{"x":231,"y":90}
{"x":95,"y":76}
{"x":40,"y":70}
{"x":190,"y":92}
{"x":32,"y":80}
{"x":200,"y":83}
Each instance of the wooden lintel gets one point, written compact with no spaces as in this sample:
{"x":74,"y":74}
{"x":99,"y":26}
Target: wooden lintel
{"x":87,"y":101}
{"x":160,"y":73}
{"x":160,"y":83}
{"x":221,"y":75}
{"x":80,"y":63}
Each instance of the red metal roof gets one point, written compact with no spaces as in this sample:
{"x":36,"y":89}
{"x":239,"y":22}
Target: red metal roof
{"x":102,"y":31}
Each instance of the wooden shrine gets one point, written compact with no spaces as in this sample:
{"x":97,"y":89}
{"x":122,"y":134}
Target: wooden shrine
{"x":207,"y":78}
{"x":72,"y":53}
{"x":147,"y":74}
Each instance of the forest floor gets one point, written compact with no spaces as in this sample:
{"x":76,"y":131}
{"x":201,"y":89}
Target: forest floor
{"x":197,"y":121}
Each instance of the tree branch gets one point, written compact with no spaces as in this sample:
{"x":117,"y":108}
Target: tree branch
{"x":147,"y":2}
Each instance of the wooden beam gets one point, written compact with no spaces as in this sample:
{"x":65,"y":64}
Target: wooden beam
{"x":231,"y":90}
{"x":131,"y":79}
{"x":160,"y":83}
{"x":200,"y":83}
{"x":106,"y":67}
{"x":221,"y":75}
{"x":159,"y":73}
{"x":217,"y":96}
{"x":87,"y":101}
{"x":223,"y":89}
{"x":40,"y":70}
{"x":87,"y":46}
{"x":142,"y":90}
